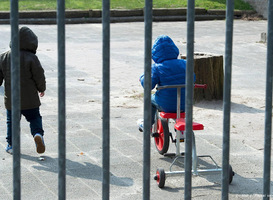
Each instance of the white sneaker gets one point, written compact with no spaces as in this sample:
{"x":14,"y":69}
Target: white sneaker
{"x":140,"y":125}
{"x":9,"y":149}
{"x":39,"y":141}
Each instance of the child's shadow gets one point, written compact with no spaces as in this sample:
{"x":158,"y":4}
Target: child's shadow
{"x":75,"y":169}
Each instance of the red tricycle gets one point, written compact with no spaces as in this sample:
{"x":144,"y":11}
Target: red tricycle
{"x":163,"y":136}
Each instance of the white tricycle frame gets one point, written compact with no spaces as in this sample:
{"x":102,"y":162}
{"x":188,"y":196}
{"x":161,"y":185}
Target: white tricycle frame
{"x":162,"y":136}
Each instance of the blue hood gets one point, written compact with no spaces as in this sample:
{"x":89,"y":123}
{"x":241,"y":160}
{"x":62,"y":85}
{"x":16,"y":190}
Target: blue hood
{"x":164,"y":49}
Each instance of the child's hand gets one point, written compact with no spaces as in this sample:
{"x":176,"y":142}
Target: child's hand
{"x":42,"y":94}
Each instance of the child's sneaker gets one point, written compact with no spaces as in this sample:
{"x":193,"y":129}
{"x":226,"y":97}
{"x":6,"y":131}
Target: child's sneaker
{"x":39,"y":141}
{"x":9,"y":149}
{"x":140,"y":125}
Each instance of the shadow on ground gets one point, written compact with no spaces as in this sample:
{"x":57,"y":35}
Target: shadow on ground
{"x":240,"y":185}
{"x":84,"y":170}
{"x":235,"y":107}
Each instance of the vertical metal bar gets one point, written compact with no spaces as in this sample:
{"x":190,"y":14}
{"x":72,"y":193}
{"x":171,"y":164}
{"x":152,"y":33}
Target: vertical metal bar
{"x":15,"y":98}
{"x":106,"y":100}
{"x":189,"y":97}
{"x":227,"y":97}
{"x":147,"y":99}
{"x":194,"y":156}
{"x":178,"y":109}
{"x":268,"y":108}
{"x":61,"y":99}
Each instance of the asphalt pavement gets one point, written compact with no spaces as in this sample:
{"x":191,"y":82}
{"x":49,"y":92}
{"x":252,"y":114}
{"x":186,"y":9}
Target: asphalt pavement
{"x":84,"y":115}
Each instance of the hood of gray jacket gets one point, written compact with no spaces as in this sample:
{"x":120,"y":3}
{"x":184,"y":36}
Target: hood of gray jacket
{"x":28,"y":40}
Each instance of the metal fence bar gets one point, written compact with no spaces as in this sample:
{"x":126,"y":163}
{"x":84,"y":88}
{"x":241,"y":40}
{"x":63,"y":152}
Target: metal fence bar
{"x":227,"y":97}
{"x":15,"y":98}
{"x":106,"y":100}
{"x":61,"y":100}
{"x":268,"y":108}
{"x":147,"y":99}
{"x":189,"y":98}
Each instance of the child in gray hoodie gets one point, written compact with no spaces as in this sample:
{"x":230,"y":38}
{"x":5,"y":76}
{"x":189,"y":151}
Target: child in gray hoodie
{"x":32,"y":84}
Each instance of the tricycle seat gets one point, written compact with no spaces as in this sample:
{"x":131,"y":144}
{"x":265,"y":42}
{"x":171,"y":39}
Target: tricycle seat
{"x":180,"y":125}
{"x":171,"y":115}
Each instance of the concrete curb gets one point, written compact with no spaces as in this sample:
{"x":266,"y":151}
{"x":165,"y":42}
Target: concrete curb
{"x":137,"y":15}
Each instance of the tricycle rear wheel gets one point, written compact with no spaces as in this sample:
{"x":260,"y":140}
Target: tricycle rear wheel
{"x":231,"y":174}
{"x":162,"y":139}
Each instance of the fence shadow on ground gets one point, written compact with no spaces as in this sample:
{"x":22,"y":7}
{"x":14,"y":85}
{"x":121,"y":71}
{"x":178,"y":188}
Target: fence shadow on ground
{"x":235,"y":107}
{"x":240,"y":185}
{"x":84,"y":170}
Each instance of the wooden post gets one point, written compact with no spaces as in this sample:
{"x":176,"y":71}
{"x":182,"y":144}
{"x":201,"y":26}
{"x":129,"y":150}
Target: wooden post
{"x":208,"y":69}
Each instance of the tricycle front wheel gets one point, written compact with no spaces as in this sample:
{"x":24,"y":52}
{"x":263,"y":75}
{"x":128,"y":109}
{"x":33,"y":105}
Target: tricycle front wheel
{"x":160,"y":177}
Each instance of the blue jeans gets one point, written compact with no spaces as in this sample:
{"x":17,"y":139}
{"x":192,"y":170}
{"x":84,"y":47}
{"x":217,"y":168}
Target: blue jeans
{"x":32,"y":116}
{"x":155,"y":107}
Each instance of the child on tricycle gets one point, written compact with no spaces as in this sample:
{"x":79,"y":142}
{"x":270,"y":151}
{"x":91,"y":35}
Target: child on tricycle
{"x":167,"y":69}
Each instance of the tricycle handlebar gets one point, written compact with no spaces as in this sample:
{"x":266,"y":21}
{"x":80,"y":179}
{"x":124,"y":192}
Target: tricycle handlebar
{"x":204,"y":86}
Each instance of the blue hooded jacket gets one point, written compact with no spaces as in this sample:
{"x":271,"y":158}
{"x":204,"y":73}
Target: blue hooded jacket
{"x":167,"y":70}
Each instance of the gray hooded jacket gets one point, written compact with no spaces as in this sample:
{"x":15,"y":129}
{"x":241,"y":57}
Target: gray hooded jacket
{"x":32,"y":74}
